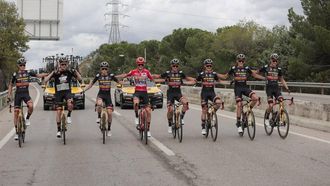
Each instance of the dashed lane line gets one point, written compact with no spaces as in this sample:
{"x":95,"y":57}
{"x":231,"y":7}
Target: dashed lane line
{"x":157,"y":143}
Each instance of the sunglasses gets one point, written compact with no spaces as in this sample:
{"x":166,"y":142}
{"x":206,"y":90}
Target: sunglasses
{"x":274,"y":60}
{"x":241,"y":61}
{"x":22,"y":65}
{"x":104,"y":69}
{"x":176,"y":66}
{"x":140,"y":65}
{"x":208,"y":65}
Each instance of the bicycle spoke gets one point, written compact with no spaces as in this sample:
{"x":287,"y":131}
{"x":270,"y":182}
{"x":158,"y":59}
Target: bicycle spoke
{"x":283,"y":124}
{"x":268,"y":127}
{"x":251,"y":127}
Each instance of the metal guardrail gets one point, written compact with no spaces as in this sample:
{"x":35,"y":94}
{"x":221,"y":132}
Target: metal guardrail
{"x":298,"y":85}
{"x":3,"y":99}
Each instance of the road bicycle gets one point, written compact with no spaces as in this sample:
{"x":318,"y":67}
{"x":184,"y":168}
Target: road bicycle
{"x":278,"y":118}
{"x":143,"y":126}
{"x":247,"y":118}
{"x":177,"y":125}
{"x":21,"y":126}
{"x":63,"y":119}
{"x":212,"y":121}
{"x":104,"y":122}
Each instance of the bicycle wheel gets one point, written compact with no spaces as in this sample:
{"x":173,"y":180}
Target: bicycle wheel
{"x":180,"y":129}
{"x":23,"y":130}
{"x":63,"y":125}
{"x":283,"y":124}
{"x":268,"y":128}
{"x":145,"y":129}
{"x":141,"y":126}
{"x":214,"y":126}
{"x":207,"y":125}
{"x":103,"y":126}
{"x":174,"y":124}
{"x":20,"y":132}
{"x":251,"y":125}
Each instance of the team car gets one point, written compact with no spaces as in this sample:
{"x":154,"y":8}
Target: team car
{"x":76,"y":90}
{"x":124,"y":94}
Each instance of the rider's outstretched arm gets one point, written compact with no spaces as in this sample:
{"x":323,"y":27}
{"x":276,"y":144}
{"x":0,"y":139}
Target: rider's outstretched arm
{"x":257,"y":76}
{"x":190,"y":81}
{"x":77,"y":75}
{"x":284,"y":83}
{"x":47,"y":78}
{"x":90,"y":85}
{"x":121,"y":76}
{"x":223,"y":76}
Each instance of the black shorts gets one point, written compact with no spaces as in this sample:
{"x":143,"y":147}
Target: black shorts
{"x":19,"y":97}
{"x":207,"y":95}
{"x":143,"y":96}
{"x":273,"y":92}
{"x":61,"y":96}
{"x":106,"y":98}
{"x":173,"y":95}
{"x":240,"y":91}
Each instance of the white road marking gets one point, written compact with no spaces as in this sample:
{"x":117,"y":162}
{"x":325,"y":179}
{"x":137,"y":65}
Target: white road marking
{"x":162,"y":147}
{"x":117,"y":113}
{"x":12,"y":131}
{"x":261,"y":125}
{"x":7,"y":137}
{"x":157,"y":143}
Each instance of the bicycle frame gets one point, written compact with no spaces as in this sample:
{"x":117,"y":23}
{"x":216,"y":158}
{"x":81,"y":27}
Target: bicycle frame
{"x":177,"y":127}
{"x":21,"y":127}
{"x":104,"y":121}
{"x":212,"y":120}
{"x":248,"y":119}
{"x":63,"y":120}
{"x":143,"y":125}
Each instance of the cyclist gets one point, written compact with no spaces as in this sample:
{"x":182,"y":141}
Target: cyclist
{"x":208,"y":78}
{"x":62,"y":78}
{"x":22,"y":78}
{"x":104,"y":77}
{"x":174,"y":78}
{"x":241,"y":73}
{"x":140,"y":76}
{"x":273,"y":74}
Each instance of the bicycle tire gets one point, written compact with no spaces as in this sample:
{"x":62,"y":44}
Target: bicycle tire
{"x":19,"y":132}
{"x":268,"y":129}
{"x":24,"y":129}
{"x":207,"y":125}
{"x":174,"y":122}
{"x":243,"y":124}
{"x":180,"y":129}
{"x":283,"y":123}
{"x":63,"y":126}
{"x":251,"y":125}
{"x":145,"y":129}
{"x":103,"y":126}
{"x":214,"y":126}
{"x":140,"y":126}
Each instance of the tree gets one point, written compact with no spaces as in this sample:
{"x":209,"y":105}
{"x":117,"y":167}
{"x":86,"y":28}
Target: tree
{"x":12,"y":38}
{"x":311,"y":37}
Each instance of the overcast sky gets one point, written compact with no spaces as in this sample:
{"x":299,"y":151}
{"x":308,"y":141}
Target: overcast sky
{"x":84,"y":20}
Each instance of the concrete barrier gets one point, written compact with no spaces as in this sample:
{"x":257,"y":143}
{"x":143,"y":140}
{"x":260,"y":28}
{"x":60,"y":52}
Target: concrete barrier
{"x":302,"y":113}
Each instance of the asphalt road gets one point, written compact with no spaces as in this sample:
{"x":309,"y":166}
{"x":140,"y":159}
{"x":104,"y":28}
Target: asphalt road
{"x":301,"y":159}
